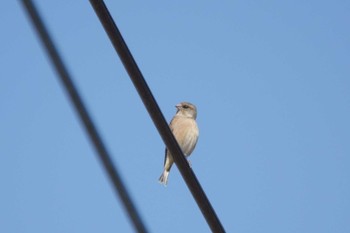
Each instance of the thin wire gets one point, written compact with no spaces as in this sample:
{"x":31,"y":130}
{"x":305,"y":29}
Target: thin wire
{"x":156,"y":115}
{"x":101,"y":150}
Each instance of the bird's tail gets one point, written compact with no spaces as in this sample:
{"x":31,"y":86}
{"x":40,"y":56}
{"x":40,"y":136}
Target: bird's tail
{"x":163,"y":179}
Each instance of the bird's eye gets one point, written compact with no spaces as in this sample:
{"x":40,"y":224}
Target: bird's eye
{"x":185,"y":106}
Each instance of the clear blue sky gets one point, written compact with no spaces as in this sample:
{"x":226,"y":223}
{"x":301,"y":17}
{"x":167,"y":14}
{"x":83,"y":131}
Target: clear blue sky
{"x":271,"y":81}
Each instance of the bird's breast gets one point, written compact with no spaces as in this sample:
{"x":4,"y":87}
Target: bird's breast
{"x":186,"y":133}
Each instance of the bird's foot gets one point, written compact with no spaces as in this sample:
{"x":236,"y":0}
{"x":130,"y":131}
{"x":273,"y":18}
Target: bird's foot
{"x":189,"y":163}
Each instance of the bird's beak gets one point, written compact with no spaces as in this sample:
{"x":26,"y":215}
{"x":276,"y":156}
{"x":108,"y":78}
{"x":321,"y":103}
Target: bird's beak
{"x":178,"y":106}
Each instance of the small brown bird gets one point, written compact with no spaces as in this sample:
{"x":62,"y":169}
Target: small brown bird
{"x":184,"y":127}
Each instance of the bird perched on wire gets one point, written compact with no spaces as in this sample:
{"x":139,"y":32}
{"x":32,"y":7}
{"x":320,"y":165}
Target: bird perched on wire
{"x":185,"y":129}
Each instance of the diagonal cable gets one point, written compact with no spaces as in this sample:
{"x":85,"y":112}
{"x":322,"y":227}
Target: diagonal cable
{"x":72,"y":92}
{"x":156,"y":115}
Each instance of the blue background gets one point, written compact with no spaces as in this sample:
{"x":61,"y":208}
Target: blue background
{"x":271,"y":82}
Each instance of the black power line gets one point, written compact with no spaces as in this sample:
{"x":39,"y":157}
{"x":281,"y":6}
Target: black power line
{"x":156,"y":115}
{"x":84,"y":117}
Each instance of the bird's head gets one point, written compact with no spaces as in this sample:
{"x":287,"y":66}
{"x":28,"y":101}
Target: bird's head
{"x":186,"y":109}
